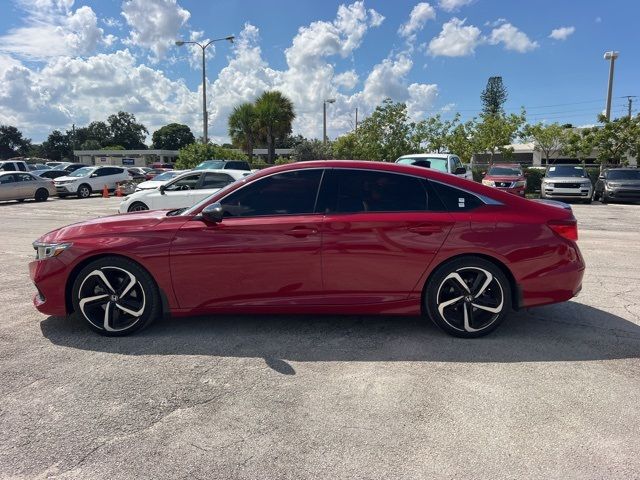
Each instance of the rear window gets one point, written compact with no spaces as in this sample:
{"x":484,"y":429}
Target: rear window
{"x":454,"y":199}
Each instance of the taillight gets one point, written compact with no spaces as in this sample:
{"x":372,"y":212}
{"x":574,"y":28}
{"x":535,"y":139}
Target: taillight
{"x":565,"y":228}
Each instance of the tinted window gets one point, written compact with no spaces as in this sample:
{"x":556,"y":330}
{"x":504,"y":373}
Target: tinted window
{"x":216,"y":180}
{"x":6,"y":179}
{"x":7,"y":167}
{"x":353,"y":191}
{"x":454,"y":199}
{"x":623,"y":175}
{"x":22,"y":167}
{"x":288,"y":193}
{"x":235,"y":165}
{"x":185,"y":183}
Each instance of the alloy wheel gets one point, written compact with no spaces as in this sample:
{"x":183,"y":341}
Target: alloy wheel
{"x":138,"y":207}
{"x":470,"y":299}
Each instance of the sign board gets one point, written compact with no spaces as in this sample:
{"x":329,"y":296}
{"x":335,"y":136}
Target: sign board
{"x":128,"y":161}
{"x":103,"y":159}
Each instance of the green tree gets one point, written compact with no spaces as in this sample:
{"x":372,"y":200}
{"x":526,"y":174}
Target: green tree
{"x":347,"y":147}
{"x":125,"y":131}
{"x":547,"y":139}
{"x":312,"y":150}
{"x":493,"y":96}
{"x":275,"y":114}
{"x":12,"y":143}
{"x":90,"y":144}
{"x":243,"y":127}
{"x":432,"y":133}
{"x":195,"y":153}
{"x":578,"y":144}
{"x":495,"y":132}
{"x":615,"y":139}
{"x":173,"y":136}
{"x":57,"y":146}
{"x":461,"y":140}
{"x":98,"y":131}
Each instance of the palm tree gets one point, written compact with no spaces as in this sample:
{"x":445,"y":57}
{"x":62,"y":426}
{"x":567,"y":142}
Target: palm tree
{"x":243,"y":127}
{"x":274,"y":114}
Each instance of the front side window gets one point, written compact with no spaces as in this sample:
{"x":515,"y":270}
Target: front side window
{"x":287,"y":193}
{"x":188,"y":182}
{"x":216,"y":180}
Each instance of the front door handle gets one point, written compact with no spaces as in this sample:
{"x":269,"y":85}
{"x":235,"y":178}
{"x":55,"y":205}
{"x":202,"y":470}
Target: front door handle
{"x":300,"y":232}
{"x":426,"y":229}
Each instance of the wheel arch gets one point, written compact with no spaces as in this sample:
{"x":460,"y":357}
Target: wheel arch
{"x":516,"y":292}
{"x":86,"y":261}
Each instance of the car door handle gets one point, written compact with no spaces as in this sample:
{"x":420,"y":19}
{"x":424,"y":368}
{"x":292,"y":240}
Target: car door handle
{"x":300,"y":232}
{"x":426,"y":229}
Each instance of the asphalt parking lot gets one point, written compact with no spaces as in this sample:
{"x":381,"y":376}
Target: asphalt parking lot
{"x":554,"y":393}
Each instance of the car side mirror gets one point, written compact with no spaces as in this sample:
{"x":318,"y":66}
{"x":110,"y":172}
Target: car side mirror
{"x":213,"y":213}
{"x":162,"y":188}
{"x":601,"y":177}
{"x":460,"y":171}
{"x":93,"y":175}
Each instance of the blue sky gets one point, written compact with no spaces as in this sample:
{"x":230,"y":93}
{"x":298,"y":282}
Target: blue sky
{"x":65,"y":61}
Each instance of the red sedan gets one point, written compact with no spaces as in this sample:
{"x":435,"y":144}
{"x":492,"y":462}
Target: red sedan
{"x":327,"y":237}
{"x":508,"y":177}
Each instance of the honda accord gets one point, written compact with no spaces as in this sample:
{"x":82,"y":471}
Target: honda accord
{"x":323,"y":237}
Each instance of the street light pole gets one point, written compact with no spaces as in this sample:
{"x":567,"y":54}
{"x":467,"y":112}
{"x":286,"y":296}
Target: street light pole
{"x":205,"y":119}
{"x":324,"y":118}
{"x":611,"y":56}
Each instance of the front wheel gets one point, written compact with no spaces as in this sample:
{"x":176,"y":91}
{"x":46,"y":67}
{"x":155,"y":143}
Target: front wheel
{"x":137,"y":207}
{"x":84,"y":191}
{"x":468,"y":297}
{"x":115,"y":296}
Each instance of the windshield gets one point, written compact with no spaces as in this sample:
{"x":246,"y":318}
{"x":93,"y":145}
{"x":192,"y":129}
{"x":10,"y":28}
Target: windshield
{"x":82,"y":172}
{"x":505,"y":171}
{"x":427,"y":162}
{"x":566,"y":171}
{"x":212,"y":164}
{"x":623,"y":175}
{"x":166,"y":176}
{"x":62,"y":166}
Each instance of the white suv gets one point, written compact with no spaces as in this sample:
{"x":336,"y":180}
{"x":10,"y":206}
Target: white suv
{"x":444,"y":162}
{"x":14,"y":166}
{"x":84,"y":181}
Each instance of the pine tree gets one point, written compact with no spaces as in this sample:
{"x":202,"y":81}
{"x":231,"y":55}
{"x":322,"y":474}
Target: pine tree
{"x":493,"y":96}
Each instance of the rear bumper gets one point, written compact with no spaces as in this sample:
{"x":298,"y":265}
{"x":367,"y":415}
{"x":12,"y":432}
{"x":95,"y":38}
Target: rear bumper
{"x":49,"y":277}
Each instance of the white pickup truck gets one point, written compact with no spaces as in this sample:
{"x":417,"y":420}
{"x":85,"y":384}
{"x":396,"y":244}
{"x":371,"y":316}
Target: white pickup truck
{"x":444,"y":162}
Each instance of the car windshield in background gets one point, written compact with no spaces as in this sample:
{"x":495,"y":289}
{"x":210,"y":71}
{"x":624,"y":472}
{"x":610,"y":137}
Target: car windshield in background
{"x":623,"y":175}
{"x":566,"y":171}
{"x":62,"y":166}
{"x":505,"y":172}
{"x":212,"y":164}
{"x":166,"y":176}
{"x":435,"y":163}
{"x":81,"y":172}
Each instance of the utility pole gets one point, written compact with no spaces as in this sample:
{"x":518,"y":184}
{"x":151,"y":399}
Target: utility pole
{"x":324,"y":118}
{"x":356,"y":119}
{"x":73,"y":142}
{"x":611,"y":56}
{"x":630,"y":102}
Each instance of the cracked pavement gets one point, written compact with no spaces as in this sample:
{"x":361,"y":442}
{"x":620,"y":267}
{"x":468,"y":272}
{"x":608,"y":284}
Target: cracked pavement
{"x":554,"y":393}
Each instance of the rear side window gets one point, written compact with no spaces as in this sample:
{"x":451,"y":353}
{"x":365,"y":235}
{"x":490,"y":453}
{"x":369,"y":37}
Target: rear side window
{"x":236,"y":165}
{"x":216,"y":180}
{"x":22,"y":167}
{"x":6,"y":179}
{"x":454,"y":199}
{"x":287,"y":193}
{"x":354,"y":191}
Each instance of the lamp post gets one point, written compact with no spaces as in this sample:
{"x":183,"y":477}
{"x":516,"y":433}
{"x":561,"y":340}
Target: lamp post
{"x":324,"y":118}
{"x":611,"y":56}
{"x":179,"y":43}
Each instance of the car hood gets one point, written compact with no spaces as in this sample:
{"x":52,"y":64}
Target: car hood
{"x":66,"y":177}
{"x":566,"y":179}
{"x":113,"y":225}
{"x":504,"y":178}
{"x":149,"y":184}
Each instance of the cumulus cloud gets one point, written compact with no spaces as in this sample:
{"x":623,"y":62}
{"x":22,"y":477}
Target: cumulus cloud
{"x":455,"y":40}
{"x":562,"y":33}
{"x":453,"y":5}
{"x":154,"y":24}
{"x":420,"y":14}
{"x":512,"y":39}
{"x":53,"y":29}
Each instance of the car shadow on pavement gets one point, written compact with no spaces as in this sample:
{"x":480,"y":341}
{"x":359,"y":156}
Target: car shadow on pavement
{"x":565,"y":332}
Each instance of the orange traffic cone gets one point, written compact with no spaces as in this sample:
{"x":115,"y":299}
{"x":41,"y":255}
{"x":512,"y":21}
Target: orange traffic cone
{"x":118,"y":190}
{"x":105,"y":192}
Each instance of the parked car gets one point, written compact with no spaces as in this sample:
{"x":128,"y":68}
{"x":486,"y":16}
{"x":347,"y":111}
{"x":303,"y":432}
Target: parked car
{"x":618,"y":184}
{"x":443,"y":162}
{"x":224,"y":165}
{"x":13,"y":166}
{"x":84,"y":181}
{"x":183,"y":191}
{"x":158,"y":180}
{"x":319,"y":237}
{"x":508,"y":177}
{"x":155,"y":171}
{"x":137,"y":173}
{"x":164,"y":165}
{"x":54,"y":164}
{"x":567,"y":182}
{"x":22,"y":185}
{"x":38,"y":167}
{"x":64,"y":168}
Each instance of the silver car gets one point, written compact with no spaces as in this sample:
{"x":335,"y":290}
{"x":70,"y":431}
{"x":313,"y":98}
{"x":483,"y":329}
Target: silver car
{"x":566,"y":182}
{"x":22,"y":185}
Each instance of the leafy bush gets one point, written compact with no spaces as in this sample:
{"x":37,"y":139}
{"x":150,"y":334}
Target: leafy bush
{"x":193,"y":154}
{"x":259,"y":163}
{"x":594,"y":173}
{"x":283,"y":160}
{"x":534,"y":179}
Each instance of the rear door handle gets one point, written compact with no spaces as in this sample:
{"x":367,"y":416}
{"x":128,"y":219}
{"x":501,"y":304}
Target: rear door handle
{"x":426,"y":229}
{"x":300,"y":232}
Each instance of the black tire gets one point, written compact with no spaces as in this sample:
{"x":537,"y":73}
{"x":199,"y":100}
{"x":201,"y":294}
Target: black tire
{"x":41,"y":195}
{"x":137,"y":207}
{"x":587,"y":201}
{"x":448,"y":303}
{"x":130,"y":295}
{"x":604,"y":198}
{"x":84,"y":191}
{"x":62,"y":195}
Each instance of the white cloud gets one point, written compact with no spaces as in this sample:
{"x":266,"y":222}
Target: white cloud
{"x":52,"y":30}
{"x":455,"y":40}
{"x":562,"y":33}
{"x":155,"y":24}
{"x":453,"y":5}
{"x":347,"y":80}
{"x":420,"y":14}
{"x":512,"y":38}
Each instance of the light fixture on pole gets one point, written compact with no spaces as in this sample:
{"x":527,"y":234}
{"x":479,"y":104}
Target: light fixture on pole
{"x":205,"y":120}
{"x":324,"y":118}
{"x":611,"y":56}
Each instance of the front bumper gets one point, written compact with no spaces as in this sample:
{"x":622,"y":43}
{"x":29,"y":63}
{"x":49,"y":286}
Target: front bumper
{"x":49,"y":276}
{"x":550,"y":191}
{"x":65,"y":189}
{"x":520,"y":191}
{"x":622,"y":193}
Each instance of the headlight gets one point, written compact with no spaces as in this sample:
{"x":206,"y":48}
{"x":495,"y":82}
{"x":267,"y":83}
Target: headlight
{"x":64,"y":182}
{"x":48,"y":250}
{"x":521,"y":183}
{"x":489,"y":183}
{"x":613,"y":184}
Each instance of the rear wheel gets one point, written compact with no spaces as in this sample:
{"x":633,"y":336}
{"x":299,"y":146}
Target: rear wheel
{"x":115,"y":296}
{"x":468,"y":297}
{"x":41,"y":195}
{"x":137,"y":207}
{"x":604,"y":198}
{"x":84,"y":191}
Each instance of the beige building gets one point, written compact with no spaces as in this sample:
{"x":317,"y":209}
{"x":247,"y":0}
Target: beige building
{"x":129,"y":158}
